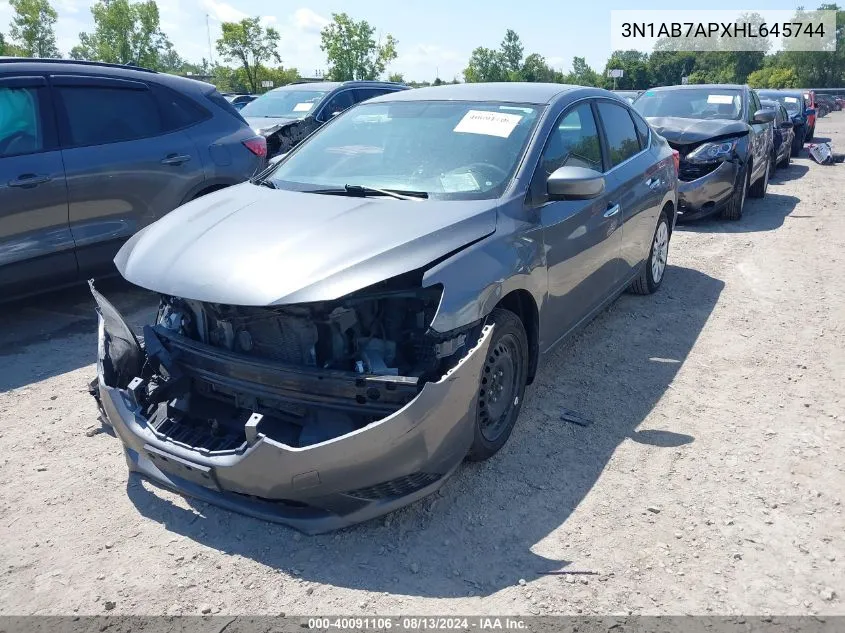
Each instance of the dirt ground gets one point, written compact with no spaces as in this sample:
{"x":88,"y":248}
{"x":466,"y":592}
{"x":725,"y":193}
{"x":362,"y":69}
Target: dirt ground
{"x":710,"y":481}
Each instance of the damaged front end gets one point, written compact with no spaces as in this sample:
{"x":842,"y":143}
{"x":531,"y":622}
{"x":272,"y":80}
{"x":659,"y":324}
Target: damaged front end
{"x":315,"y":415}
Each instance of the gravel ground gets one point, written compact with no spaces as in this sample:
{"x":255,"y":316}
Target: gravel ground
{"x":709,"y":482}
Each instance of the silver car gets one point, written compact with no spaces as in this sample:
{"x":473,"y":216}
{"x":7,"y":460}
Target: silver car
{"x":336,"y":336}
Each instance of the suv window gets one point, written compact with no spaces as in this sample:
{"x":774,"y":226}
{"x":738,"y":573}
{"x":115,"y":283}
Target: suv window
{"x":362,"y":94}
{"x":622,"y":139}
{"x":574,"y":141}
{"x":20,"y":121}
{"x":338,"y":103}
{"x":178,"y":110}
{"x":99,"y":115}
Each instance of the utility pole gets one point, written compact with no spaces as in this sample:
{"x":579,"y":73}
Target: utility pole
{"x":208,"y":31}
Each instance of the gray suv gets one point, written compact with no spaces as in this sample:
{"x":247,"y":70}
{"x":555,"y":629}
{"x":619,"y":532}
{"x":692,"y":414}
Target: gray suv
{"x":90,"y":153}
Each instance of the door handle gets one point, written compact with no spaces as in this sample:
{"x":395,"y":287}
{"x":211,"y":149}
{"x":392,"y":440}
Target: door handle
{"x":612,"y":211}
{"x":29,"y":180}
{"x":175,"y":159}
{"x":653,"y":183}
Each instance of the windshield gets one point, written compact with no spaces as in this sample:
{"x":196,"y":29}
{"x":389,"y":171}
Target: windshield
{"x":691,"y":103}
{"x":286,"y":104}
{"x":790,"y":102}
{"x":449,"y":150}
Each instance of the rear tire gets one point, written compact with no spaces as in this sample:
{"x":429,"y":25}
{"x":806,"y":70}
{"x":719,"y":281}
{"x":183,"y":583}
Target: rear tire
{"x":798,"y":142}
{"x":810,"y":134}
{"x":736,"y":205}
{"x":654,"y":268}
{"x":501,"y":385}
{"x":787,"y":159}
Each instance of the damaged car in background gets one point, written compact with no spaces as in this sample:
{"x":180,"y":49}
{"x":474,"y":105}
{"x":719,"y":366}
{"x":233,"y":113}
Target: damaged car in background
{"x":724,"y":137}
{"x":287,"y":115}
{"x":337,"y":335}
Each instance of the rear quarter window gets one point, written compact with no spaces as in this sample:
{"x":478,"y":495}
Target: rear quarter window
{"x":178,"y":111}
{"x":221,"y":102}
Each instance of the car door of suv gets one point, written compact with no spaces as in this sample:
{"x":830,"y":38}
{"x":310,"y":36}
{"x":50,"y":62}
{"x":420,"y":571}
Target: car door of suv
{"x":125,"y":166}
{"x":635,"y":180}
{"x":36,"y":246}
{"x":581,"y":237}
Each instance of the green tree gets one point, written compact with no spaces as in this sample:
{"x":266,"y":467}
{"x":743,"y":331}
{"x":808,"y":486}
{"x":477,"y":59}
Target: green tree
{"x":818,"y":69}
{"x":396,"y":77}
{"x":635,"y":70}
{"x":582,"y":74}
{"x":535,"y":68}
{"x":352,"y":51}
{"x":249,"y":44}
{"x":33,"y":28}
{"x":666,"y":68}
{"x":124,"y":33}
{"x":486,"y":64}
{"x":512,"y":51}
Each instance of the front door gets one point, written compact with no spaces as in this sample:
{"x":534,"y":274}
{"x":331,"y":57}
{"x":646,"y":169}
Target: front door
{"x":36,"y":246}
{"x":581,"y":237}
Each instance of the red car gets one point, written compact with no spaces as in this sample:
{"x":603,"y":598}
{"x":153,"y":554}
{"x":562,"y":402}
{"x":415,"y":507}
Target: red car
{"x":810,"y":97}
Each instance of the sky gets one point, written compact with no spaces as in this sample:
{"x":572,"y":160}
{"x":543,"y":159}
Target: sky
{"x":435,"y":36}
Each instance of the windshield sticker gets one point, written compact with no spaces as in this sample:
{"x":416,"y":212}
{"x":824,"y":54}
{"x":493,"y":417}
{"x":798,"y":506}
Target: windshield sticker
{"x":722,"y":99}
{"x":303,"y":107}
{"x":454,"y":183}
{"x":791,"y":99}
{"x":488,"y":123}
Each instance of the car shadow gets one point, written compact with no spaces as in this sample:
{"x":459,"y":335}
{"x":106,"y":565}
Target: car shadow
{"x":619,"y":368}
{"x":64,"y":324}
{"x":820,"y":139}
{"x":793,"y":172}
{"x":766,"y":214}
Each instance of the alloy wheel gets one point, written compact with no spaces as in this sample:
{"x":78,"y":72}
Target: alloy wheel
{"x":659,"y":252}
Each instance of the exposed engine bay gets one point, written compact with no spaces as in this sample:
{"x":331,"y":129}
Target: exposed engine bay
{"x":215,"y":376}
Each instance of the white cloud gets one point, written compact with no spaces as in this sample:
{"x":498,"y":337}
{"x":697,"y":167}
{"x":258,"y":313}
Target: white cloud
{"x":426,"y":61}
{"x":223,"y":12}
{"x":307,"y":21}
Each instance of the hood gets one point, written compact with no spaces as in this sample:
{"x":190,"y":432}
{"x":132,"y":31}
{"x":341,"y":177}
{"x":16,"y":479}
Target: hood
{"x":252,"y":245}
{"x":682,"y":131}
{"x":268,"y":125}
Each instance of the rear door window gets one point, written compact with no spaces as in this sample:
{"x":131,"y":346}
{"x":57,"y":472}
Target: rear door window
{"x":338,"y":103}
{"x":98,"y":115}
{"x":622,"y":139}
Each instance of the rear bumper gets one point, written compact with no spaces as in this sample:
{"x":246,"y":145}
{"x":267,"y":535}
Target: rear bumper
{"x":352,"y":478}
{"x":701,"y":197}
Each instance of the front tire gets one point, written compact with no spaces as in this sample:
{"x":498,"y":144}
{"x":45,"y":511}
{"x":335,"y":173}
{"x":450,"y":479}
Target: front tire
{"x":810,"y":134}
{"x":501,"y":386}
{"x":736,"y":205}
{"x":758,"y":190}
{"x":654,"y":268}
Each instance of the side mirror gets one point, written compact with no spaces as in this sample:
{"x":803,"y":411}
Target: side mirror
{"x":763,"y":116}
{"x":787,"y":125}
{"x":575,"y":183}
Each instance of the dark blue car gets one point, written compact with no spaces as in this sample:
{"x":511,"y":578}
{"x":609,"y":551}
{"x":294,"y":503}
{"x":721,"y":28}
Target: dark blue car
{"x":797,"y":107}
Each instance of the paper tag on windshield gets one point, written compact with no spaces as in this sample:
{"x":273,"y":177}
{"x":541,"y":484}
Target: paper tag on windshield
{"x":454,"y":183}
{"x":303,"y":107}
{"x":791,"y":99}
{"x":488,"y":123}
{"x":720,"y":99}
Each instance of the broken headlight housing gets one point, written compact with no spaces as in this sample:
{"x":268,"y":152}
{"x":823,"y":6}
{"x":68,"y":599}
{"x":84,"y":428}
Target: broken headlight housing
{"x":714,"y":152}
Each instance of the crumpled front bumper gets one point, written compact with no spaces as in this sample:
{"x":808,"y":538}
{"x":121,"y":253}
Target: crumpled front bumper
{"x":703,"y":196}
{"x":352,"y":478}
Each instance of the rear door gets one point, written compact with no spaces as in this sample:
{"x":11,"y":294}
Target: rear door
{"x":581,"y":236}
{"x":126,"y":166}
{"x":36,"y":246}
{"x":635,"y":182}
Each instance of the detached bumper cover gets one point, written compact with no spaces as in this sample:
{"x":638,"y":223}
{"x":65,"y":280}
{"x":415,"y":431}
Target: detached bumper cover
{"x":352,"y":478}
{"x":707,"y":194}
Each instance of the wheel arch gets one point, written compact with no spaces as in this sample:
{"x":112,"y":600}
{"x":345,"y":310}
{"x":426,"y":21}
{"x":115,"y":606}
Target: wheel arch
{"x":522,"y":304}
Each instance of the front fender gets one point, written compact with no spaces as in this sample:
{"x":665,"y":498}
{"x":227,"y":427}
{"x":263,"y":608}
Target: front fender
{"x":475,"y":279}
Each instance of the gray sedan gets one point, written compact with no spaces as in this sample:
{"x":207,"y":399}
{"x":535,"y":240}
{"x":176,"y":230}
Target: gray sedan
{"x":336,"y":336}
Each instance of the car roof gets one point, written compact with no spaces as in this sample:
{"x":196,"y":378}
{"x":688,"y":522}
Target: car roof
{"x":18,"y":65}
{"x":699,"y":86}
{"x":538,"y":93}
{"x":780,"y":91}
{"x":328,"y":86}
